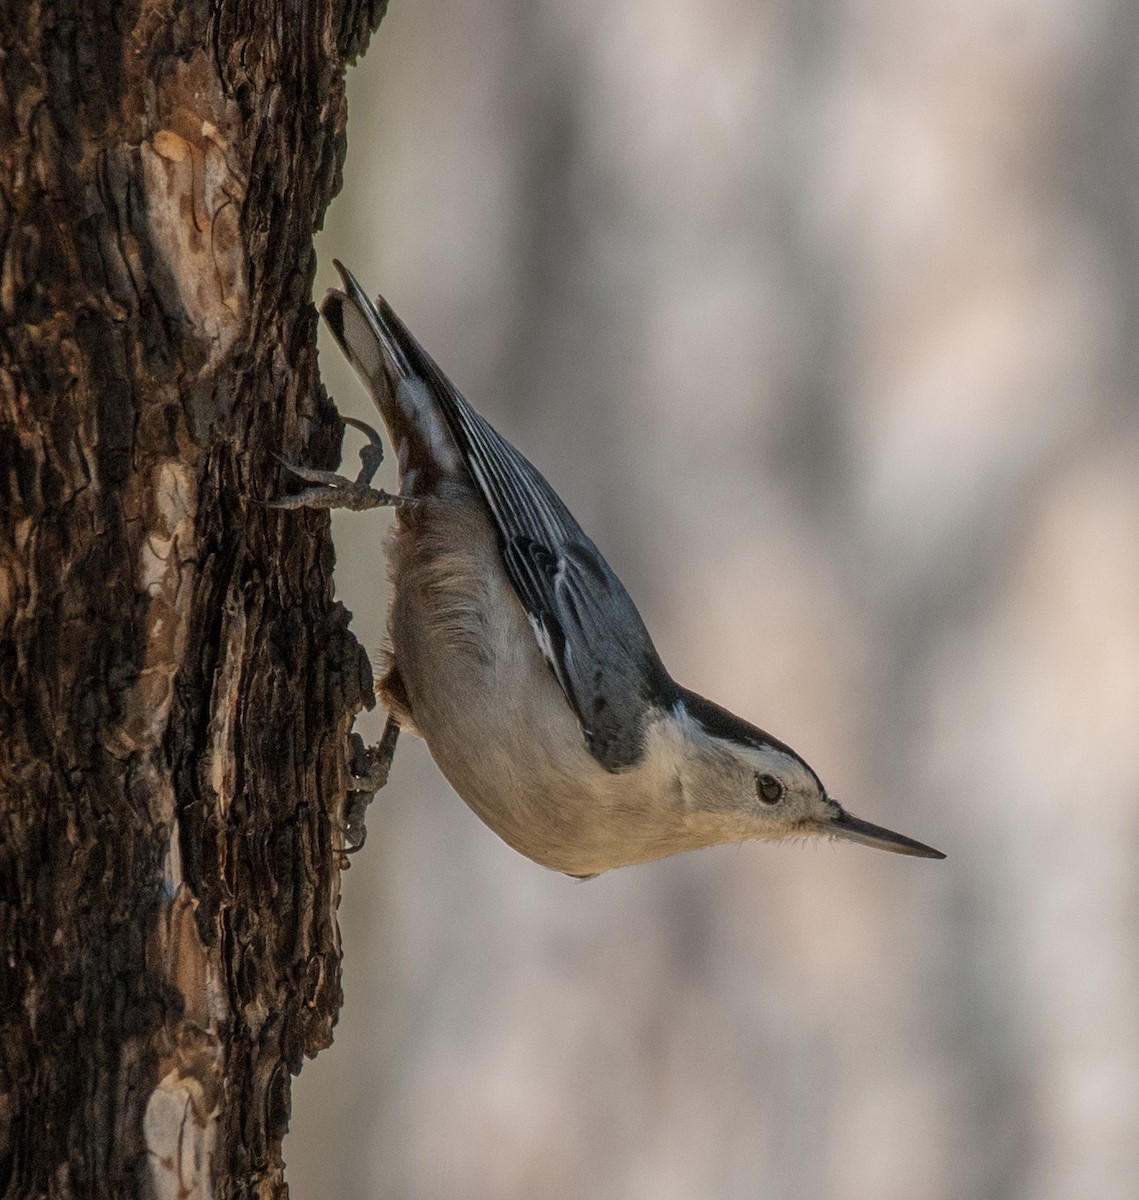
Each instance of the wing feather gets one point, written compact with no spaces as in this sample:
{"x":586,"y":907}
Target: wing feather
{"x":584,"y":621}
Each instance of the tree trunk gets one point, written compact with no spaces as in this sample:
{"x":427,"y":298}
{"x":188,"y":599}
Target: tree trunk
{"x":176,"y":683}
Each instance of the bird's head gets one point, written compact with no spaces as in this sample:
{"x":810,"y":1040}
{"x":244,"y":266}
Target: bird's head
{"x":754,"y":786}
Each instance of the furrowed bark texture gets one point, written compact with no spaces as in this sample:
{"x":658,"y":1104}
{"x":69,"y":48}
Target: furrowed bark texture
{"x":176,"y":684}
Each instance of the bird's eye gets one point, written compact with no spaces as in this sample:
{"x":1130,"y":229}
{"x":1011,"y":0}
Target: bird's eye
{"x":768,"y":789}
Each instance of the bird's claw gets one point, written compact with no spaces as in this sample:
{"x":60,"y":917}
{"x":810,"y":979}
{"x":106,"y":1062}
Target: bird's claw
{"x":368,"y":772}
{"x":371,"y":453}
{"x":332,"y":490}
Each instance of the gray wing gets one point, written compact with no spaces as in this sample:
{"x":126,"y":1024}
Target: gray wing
{"x":586,"y":624}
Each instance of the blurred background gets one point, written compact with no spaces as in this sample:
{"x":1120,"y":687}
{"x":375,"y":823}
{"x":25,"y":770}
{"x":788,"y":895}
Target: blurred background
{"x":821,"y":317}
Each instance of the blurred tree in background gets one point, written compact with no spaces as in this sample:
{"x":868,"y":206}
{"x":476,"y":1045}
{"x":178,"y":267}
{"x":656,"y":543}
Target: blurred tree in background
{"x":822,"y":317}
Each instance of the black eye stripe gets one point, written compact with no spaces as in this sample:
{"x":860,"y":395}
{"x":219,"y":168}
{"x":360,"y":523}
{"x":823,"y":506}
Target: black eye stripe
{"x":768,"y":789}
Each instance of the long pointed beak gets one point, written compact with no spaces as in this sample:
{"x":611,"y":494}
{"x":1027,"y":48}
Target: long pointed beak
{"x":852,"y":829}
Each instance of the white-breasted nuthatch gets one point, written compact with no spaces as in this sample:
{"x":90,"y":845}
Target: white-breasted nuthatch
{"x":518,"y":656}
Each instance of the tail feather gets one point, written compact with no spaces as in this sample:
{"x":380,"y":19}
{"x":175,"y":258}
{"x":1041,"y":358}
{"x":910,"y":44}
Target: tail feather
{"x":400,"y":377}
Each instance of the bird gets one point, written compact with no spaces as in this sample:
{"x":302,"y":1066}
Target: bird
{"x":519,"y":658}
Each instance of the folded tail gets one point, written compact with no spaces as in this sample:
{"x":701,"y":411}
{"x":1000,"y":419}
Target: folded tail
{"x":400,"y":377}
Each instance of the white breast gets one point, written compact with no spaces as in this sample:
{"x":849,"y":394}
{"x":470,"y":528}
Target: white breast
{"x":494,"y":718}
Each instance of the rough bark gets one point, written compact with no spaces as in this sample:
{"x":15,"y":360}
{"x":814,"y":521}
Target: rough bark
{"x":176,"y":683}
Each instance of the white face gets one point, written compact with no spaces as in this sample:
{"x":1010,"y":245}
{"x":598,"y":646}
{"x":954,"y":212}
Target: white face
{"x":768,"y":793}
{"x":780,"y":792}
{"x":734,"y":790}
{"x":746,"y":792}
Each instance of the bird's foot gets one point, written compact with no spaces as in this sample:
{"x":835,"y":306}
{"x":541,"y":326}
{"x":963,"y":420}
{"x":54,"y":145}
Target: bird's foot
{"x":332,"y":490}
{"x":368,"y":772}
